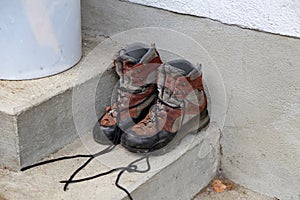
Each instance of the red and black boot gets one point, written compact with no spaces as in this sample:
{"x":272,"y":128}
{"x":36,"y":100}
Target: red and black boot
{"x":136,"y":66}
{"x":181,"y":108}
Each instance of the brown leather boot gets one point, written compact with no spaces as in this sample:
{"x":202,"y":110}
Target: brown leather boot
{"x":180,"y":109}
{"x":136,"y":66}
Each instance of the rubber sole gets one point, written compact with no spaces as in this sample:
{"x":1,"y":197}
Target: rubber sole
{"x":163,"y":147}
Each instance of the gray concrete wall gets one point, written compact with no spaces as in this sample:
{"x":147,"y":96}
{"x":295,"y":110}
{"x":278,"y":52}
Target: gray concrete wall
{"x":9,"y":149}
{"x":46,"y":128}
{"x":261,"y":141}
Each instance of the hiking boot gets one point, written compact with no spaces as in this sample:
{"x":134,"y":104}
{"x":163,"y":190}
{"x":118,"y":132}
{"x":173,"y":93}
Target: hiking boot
{"x":181,"y":108}
{"x":136,"y":66}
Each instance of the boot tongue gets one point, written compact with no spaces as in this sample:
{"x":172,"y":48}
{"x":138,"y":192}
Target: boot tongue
{"x":167,"y":76}
{"x":149,"y":56}
{"x":128,"y":58}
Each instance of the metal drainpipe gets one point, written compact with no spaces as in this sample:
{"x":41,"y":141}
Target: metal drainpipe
{"x":38,"y":38}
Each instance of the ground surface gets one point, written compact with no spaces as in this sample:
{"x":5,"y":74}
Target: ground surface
{"x":235,"y":192}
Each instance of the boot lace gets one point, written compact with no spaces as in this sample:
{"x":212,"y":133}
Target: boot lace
{"x":130,"y":168}
{"x":153,"y":117}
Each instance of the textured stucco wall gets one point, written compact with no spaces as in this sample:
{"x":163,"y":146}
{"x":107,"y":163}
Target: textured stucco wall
{"x":280,"y":16}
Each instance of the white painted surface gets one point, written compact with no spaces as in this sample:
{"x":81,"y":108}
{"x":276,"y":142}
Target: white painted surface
{"x":275,"y":16}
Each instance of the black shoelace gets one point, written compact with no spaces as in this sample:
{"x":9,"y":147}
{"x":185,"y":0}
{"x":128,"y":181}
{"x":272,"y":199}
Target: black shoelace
{"x":132,"y":167}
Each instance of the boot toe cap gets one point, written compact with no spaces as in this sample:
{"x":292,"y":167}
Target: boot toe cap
{"x":145,"y":143}
{"x":106,"y":134}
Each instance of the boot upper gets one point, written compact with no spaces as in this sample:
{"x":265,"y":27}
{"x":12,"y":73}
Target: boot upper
{"x":181,"y":97}
{"x":136,"y":66}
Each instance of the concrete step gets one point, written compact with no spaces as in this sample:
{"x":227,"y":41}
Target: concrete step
{"x":36,"y":116}
{"x":39,"y":117}
{"x":179,"y":174}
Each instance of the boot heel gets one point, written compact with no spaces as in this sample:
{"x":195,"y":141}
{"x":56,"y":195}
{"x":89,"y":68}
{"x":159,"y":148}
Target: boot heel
{"x":203,"y":124}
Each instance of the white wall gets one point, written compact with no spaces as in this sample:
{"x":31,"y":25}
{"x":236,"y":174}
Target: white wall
{"x":275,"y":16}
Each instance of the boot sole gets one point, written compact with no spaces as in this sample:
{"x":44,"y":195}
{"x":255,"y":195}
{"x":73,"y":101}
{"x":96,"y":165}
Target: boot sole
{"x":168,"y":145}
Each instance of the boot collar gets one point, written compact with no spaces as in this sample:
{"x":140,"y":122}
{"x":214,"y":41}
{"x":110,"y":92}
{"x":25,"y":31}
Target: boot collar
{"x":175,"y":84}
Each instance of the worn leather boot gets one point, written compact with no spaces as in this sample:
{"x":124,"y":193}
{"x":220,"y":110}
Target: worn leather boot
{"x":136,"y":66}
{"x":181,"y":108}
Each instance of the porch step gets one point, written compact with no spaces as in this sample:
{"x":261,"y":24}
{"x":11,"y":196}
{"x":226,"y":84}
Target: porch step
{"x":36,"y":116}
{"x":179,"y":174}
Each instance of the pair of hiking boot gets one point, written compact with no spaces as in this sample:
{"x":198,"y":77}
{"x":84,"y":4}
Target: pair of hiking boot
{"x":157,"y":103}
